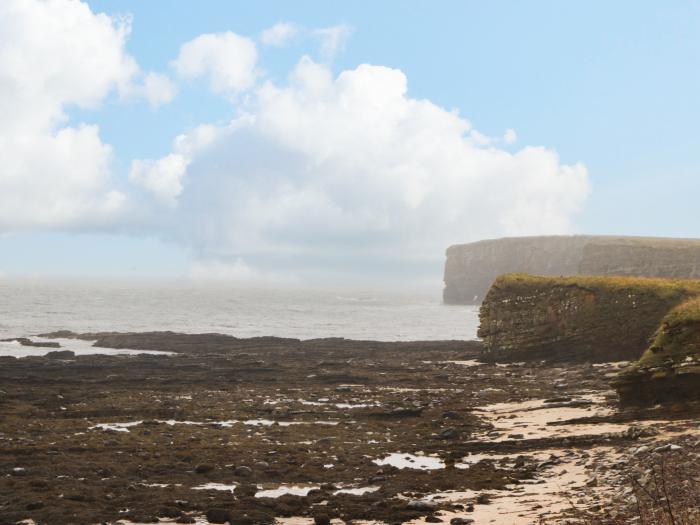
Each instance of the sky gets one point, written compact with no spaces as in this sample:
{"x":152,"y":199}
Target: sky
{"x":320,"y":143}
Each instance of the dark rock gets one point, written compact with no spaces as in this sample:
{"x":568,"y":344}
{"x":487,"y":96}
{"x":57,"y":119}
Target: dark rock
{"x":218,"y":515}
{"x":203,"y":468}
{"x":322,"y":519}
{"x":421,"y":505}
{"x":61,"y":354}
{"x":448,"y":433}
{"x":243,"y":471}
{"x":483,"y":499}
{"x":461,"y":521}
{"x":246,"y":490}
{"x":24,"y":341}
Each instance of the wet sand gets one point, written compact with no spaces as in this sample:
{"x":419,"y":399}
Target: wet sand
{"x":265,"y":430}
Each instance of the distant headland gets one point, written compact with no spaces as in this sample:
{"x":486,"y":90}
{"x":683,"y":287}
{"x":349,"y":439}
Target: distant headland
{"x":471,"y":268}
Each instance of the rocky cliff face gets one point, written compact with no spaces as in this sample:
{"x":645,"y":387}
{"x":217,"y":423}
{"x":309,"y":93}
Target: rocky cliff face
{"x":470,"y":269}
{"x":576,"y":318}
{"x":655,"y":322}
{"x":669,"y":370}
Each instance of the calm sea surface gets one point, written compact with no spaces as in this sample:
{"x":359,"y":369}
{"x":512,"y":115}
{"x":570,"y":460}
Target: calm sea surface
{"x":31,"y":308}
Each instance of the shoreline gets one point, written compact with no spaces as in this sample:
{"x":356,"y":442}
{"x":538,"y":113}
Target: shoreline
{"x":238,"y":417}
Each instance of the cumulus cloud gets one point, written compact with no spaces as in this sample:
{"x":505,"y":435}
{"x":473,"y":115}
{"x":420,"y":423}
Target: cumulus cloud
{"x":332,"y":39}
{"x":344,"y":172}
{"x":156,"y":88}
{"x":350,"y":172}
{"x":53,"y":55}
{"x":279,"y":34}
{"x":227,"y":60}
{"x":163,"y":177}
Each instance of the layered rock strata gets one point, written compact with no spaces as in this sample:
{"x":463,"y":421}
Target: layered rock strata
{"x":601,"y":319}
{"x":669,"y":370}
{"x":576,"y":318}
{"x":470,"y":269}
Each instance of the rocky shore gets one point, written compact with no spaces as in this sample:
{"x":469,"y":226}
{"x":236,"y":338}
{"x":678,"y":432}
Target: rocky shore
{"x":270,"y":430}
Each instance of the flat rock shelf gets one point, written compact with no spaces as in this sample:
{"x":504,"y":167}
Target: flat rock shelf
{"x":268,"y":430}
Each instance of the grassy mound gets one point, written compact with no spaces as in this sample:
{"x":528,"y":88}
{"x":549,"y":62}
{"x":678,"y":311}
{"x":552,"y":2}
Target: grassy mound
{"x":677,"y":338}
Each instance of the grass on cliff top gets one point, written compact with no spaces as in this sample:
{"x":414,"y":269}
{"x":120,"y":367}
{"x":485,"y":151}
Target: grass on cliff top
{"x":677,"y":337}
{"x":663,"y":288}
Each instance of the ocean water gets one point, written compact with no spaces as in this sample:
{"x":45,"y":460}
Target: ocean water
{"x":30,"y":308}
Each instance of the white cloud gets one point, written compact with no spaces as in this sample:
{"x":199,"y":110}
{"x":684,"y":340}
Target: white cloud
{"x":53,"y":55}
{"x":341,"y":172}
{"x":157,"y":89}
{"x":163,"y":177}
{"x":351,"y":173}
{"x":510,"y":137}
{"x":333,"y":39}
{"x":226,"y":59}
{"x":279,"y":34}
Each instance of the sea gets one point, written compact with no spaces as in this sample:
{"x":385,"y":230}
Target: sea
{"x":28,"y":308}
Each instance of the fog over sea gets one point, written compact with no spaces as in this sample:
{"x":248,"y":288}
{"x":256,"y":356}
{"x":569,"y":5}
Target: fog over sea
{"x":28,"y":308}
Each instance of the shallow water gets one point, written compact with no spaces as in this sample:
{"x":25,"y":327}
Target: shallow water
{"x":79,"y":347}
{"x":412,"y":461}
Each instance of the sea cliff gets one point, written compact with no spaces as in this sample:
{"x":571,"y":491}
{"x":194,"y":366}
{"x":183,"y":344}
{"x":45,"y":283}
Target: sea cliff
{"x":654,"y":322}
{"x":470,"y":269}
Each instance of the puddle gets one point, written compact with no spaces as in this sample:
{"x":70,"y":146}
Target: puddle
{"x":468,"y":362}
{"x":124,"y":427}
{"x":216,"y":486}
{"x":284,"y":490}
{"x":116,"y":427}
{"x":359,"y":491}
{"x":412,"y":461}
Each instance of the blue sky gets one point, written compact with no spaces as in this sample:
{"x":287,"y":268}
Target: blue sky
{"x":610,"y":85}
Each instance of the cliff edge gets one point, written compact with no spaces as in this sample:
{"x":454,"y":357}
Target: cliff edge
{"x":654,"y":322}
{"x":470,"y":269}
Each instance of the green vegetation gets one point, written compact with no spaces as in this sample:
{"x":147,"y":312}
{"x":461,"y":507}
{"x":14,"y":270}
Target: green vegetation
{"x":595,"y":316}
{"x":663,"y":288}
{"x":677,"y":338}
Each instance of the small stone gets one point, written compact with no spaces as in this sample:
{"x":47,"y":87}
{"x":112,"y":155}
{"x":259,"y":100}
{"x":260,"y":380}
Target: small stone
{"x":203,"y":468}
{"x":483,"y":499}
{"x":322,"y":519}
{"x":421,"y":505}
{"x":667,"y":448}
{"x":461,"y":521}
{"x":448,"y":433}
{"x":243,"y":471}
